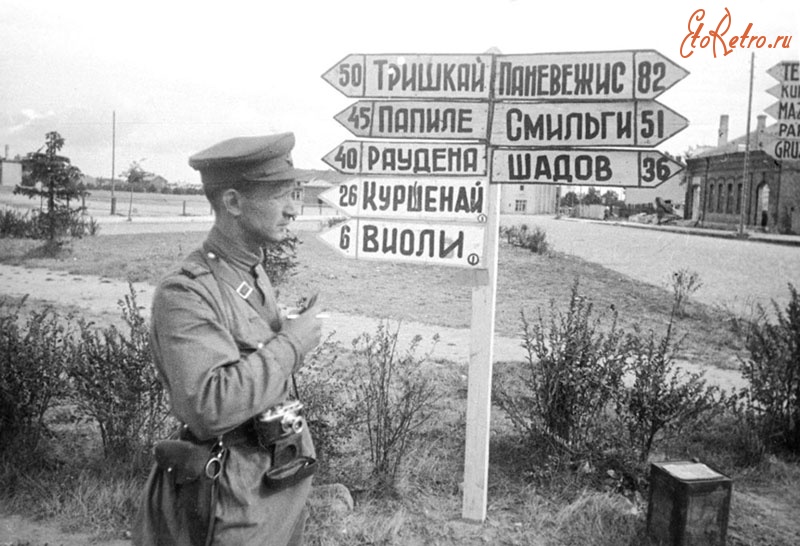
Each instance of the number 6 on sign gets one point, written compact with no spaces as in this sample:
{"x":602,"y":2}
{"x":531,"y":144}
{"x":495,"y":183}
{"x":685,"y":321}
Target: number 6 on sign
{"x":655,"y":169}
{"x":344,"y":237}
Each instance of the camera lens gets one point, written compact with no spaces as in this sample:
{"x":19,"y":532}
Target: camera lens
{"x":292,"y":423}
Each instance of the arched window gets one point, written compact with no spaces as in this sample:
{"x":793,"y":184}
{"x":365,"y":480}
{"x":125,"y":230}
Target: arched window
{"x":738,"y":199}
{"x":729,"y":199}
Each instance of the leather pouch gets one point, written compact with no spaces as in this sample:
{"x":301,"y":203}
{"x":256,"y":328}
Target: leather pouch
{"x":184,"y":460}
{"x":290,"y":474}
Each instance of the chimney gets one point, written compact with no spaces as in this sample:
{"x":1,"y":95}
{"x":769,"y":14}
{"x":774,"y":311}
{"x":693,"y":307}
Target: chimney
{"x":761,"y":124}
{"x":722,"y":135}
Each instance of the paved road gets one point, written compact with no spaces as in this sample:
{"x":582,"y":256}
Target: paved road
{"x":736,"y":274}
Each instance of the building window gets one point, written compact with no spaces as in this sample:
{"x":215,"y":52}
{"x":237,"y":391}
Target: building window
{"x":520,"y":205}
{"x":738,"y":199}
{"x":729,"y":200}
{"x":297,"y":194}
{"x":710,"y":198}
{"x":720,"y":198}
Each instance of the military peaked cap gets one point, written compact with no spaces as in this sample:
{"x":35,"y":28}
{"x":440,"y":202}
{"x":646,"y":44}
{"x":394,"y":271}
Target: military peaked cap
{"x":252,"y":159}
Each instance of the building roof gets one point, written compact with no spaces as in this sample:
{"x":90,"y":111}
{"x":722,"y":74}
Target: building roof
{"x":737,"y":144}
{"x":334,"y":177}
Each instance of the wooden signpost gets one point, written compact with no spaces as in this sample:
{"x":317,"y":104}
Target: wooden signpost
{"x":463,"y":125}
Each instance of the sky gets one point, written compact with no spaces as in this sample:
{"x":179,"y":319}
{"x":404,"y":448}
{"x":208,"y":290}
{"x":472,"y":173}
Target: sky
{"x":180,"y":76}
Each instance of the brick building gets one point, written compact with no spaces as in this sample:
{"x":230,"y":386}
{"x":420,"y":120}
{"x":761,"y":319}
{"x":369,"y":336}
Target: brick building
{"x":717,"y":194}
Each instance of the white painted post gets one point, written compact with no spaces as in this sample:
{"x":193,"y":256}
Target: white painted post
{"x":479,"y":394}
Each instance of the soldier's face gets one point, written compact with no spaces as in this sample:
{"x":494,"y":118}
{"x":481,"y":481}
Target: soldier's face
{"x":267,"y":212}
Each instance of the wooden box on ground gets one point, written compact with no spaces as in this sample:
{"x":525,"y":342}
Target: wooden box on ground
{"x":689,"y":504}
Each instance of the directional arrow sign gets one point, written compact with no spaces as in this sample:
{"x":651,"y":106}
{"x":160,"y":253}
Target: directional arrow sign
{"x":440,"y":244}
{"x":417,"y":119}
{"x":411,"y":198}
{"x":633,"y":123}
{"x":781,"y":148}
{"x":587,"y":167}
{"x":785,"y":110}
{"x":600,"y":75}
{"x":412,"y":76}
{"x":407,"y":158}
{"x":786,"y":71}
{"x":785,"y":91}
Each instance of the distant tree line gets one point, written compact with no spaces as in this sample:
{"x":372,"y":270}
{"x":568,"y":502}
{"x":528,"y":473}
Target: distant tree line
{"x":138,"y":187}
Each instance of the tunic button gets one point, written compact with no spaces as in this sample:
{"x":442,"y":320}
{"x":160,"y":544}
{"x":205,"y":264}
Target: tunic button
{"x":211,"y":255}
{"x":260,"y":345}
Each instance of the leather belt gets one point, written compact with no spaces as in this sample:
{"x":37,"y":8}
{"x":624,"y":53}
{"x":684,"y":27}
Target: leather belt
{"x":244,"y":434}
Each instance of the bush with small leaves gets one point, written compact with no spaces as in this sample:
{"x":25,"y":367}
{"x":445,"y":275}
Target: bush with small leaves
{"x":322,"y":387}
{"x":571,"y":372}
{"x":535,"y":240}
{"x":684,"y":284}
{"x":280,"y":260}
{"x":392,"y":398}
{"x":33,"y":358}
{"x":114,"y":382}
{"x":773,"y":373}
{"x":661,"y":400}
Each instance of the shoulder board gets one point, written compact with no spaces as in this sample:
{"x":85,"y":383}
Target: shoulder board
{"x":193,"y":270}
{"x":194,"y":266}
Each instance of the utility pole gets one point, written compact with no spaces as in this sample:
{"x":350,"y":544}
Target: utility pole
{"x":745,"y":181}
{"x":113,"y":153}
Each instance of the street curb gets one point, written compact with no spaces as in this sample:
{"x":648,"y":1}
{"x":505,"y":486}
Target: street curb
{"x":787,"y":240}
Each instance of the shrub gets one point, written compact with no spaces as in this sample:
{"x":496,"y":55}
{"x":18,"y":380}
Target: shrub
{"x":280,"y":260}
{"x":392,"y":398}
{"x":13,"y":223}
{"x":115,"y":383}
{"x":35,"y":224}
{"x":684,"y":283}
{"x":773,"y":373}
{"x":661,"y":399}
{"x":32,"y":361}
{"x":535,"y":241}
{"x":322,"y":388}
{"x":571,"y":372}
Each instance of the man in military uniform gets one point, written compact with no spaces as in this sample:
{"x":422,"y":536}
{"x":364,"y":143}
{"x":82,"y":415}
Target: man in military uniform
{"x":226,"y":356}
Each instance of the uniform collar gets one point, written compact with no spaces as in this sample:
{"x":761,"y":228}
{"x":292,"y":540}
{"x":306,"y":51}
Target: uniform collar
{"x":231,"y":250}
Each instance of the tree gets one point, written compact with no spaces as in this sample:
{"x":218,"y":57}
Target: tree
{"x":570,"y":199}
{"x":611,"y":198}
{"x":51,"y":176}
{"x":134,"y":176}
{"x":592,"y":197}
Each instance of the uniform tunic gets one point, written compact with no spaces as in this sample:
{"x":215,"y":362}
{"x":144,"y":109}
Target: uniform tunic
{"x":224,"y":359}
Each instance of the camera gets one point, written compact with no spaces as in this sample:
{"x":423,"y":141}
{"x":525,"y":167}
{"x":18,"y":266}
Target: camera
{"x":279,"y":422}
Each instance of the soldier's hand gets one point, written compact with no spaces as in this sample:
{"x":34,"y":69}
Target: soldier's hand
{"x":306,"y":327}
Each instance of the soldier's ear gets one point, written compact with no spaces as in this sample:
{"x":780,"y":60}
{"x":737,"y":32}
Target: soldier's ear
{"x":232,"y":202}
